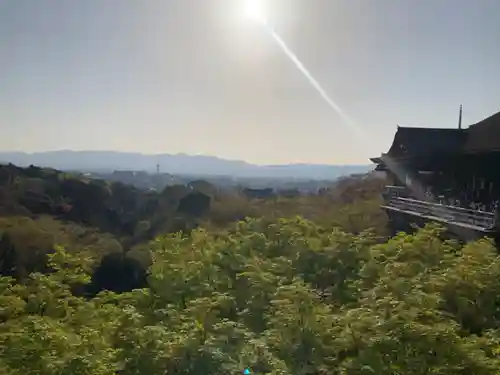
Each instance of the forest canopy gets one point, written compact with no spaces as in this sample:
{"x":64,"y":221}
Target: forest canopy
{"x":326,"y":292}
{"x":287,"y":297}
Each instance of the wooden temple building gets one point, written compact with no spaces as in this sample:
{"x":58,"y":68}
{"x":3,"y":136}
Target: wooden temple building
{"x":450,"y":176}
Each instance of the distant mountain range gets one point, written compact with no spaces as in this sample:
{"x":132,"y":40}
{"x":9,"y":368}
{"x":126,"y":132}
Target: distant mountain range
{"x":179,"y":164}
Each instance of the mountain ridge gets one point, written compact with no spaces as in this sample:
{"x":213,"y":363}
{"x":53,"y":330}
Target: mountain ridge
{"x":85,"y":160}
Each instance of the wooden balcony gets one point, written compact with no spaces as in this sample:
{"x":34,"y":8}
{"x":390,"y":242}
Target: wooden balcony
{"x":479,"y":221}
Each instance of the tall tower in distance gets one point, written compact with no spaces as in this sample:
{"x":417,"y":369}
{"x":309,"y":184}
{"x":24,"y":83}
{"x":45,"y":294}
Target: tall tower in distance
{"x":158,"y":168}
{"x":460,"y":118}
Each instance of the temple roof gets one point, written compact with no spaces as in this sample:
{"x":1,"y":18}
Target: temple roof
{"x":483,"y":136}
{"x":410,"y":141}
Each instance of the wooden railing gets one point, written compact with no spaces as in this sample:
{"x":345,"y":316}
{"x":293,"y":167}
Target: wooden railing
{"x":395,"y":191}
{"x":482,"y":219}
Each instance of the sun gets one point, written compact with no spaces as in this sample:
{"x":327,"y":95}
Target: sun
{"x":254,"y":10}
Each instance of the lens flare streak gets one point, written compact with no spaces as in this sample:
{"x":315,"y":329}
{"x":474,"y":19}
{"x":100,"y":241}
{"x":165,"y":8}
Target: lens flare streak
{"x":291,"y":55}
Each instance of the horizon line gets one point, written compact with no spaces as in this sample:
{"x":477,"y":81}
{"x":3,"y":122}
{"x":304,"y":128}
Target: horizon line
{"x":297,"y":163}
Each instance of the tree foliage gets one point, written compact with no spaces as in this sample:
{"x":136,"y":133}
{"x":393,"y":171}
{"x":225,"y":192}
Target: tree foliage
{"x":284,"y":296}
{"x":325,"y":292}
{"x":41,"y":208}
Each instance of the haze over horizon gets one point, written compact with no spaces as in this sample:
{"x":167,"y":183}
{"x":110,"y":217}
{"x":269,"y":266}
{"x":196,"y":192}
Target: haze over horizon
{"x":54,"y":151}
{"x":192,"y":77}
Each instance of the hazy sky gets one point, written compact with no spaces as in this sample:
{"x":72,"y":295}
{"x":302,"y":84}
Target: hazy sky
{"x":196,"y":76}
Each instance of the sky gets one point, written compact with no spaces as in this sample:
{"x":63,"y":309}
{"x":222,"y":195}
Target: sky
{"x":198,"y":77}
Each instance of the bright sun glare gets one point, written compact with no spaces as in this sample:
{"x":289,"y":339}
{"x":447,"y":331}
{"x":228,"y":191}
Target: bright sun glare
{"x":254,"y":10}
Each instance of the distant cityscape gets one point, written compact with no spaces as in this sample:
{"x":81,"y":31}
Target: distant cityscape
{"x":158,"y":181}
{"x":158,"y":171}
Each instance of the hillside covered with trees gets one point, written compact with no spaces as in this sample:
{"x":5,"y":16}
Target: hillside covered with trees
{"x":103,"y":278}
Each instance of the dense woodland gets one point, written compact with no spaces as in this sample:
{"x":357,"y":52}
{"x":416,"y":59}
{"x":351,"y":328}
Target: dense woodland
{"x":103,"y":278}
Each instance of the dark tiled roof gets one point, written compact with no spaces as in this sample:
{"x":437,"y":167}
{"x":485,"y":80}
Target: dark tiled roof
{"x":481,"y":137}
{"x":484,"y":136}
{"x":410,"y":141}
